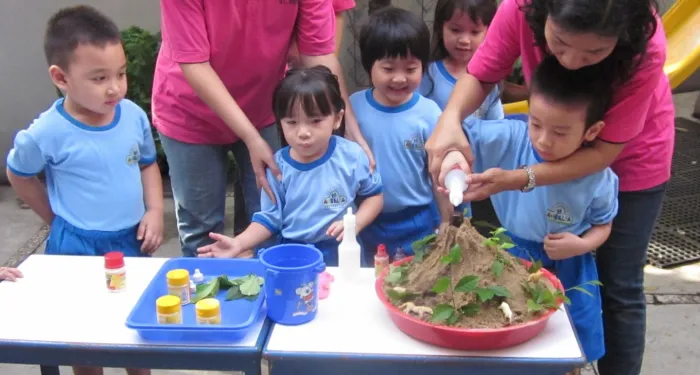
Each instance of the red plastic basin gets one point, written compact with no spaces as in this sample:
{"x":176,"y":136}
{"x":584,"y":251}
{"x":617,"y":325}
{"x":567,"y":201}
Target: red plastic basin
{"x":464,"y":338}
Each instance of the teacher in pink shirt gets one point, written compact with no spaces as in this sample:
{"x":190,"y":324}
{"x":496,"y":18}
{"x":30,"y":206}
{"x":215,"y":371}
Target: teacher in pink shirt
{"x":212,"y":93}
{"x":624,"y":41}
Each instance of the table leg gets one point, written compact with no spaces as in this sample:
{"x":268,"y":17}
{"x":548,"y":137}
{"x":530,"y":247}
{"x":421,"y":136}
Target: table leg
{"x":49,"y":370}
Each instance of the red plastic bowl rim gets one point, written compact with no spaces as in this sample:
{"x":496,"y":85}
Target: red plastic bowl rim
{"x":379,"y":283}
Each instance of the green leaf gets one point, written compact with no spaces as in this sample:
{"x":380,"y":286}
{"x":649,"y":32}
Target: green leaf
{"x":484,"y":294}
{"x":442,"y":312}
{"x":498,"y":231}
{"x":396,"y":275}
{"x":536,"y":266}
{"x":201,"y":287}
{"x":453,"y":319}
{"x":209,"y":290}
{"x":234,"y":293}
{"x":581,"y":289}
{"x":564,"y":298}
{"x":418,"y":255}
{"x":490,"y":242}
{"x":470,"y":309}
{"x":455,"y":254}
{"x":250,"y":286}
{"x":467,"y":284}
{"x":507,"y":245}
{"x":441,"y":285}
{"x":484,"y":224}
{"x":423,"y":242}
{"x":533,"y":306}
{"x":399,"y":296}
{"x":499,"y":291}
{"x":224,"y":282}
{"x":593,"y":282}
{"x":466,"y":212}
{"x":497,"y":268}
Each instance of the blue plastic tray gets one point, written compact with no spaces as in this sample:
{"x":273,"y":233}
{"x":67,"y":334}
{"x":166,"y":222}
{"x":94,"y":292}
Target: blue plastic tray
{"x":236,"y":316}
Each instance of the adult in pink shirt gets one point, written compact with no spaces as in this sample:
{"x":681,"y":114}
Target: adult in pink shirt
{"x":339,"y":8}
{"x":624,"y":40}
{"x":212,"y":93}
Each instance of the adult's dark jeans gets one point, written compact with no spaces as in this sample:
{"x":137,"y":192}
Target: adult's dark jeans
{"x":621,"y":263}
{"x":198,"y":176}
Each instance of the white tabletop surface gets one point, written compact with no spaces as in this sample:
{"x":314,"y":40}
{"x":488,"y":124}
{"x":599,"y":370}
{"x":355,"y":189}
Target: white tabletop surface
{"x":352,"y":320}
{"x":64,"y":299}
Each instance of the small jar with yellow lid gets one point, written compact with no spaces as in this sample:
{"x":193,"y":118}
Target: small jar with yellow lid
{"x":208,"y":311}
{"x":179,"y":284}
{"x":169,"y":310}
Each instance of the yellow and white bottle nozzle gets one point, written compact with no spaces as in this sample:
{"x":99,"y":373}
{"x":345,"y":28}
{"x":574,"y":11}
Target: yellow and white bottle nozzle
{"x":456,"y":185}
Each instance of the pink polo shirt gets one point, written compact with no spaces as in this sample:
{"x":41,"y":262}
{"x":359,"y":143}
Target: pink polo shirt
{"x":246,"y":42}
{"x":642,"y":114}
{"x":342,"y":5}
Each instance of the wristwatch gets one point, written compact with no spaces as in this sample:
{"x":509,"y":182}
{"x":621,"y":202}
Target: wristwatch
{"x":530,"y":179}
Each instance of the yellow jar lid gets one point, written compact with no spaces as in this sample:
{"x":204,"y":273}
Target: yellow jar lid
{"x":208,"y":307}
{"x":178,"y":277}
{"x":168,"y":304}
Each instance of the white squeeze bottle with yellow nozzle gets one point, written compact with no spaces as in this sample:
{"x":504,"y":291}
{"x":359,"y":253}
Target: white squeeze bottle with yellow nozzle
{"x":349,"y":251}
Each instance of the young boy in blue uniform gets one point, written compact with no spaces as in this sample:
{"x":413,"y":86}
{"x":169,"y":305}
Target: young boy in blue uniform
{"x":104,"y":189}
{"x":322,"y":174}
{"x":557,"y":224}
{"x":396,"y":122}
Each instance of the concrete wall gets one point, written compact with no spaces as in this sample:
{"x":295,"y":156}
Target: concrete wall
{"x":25,"y":87}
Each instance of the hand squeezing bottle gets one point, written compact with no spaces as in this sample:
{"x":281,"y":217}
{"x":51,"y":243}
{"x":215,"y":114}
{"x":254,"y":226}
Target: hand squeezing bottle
{"x":456,"y":185}
{"x":349,"y":249}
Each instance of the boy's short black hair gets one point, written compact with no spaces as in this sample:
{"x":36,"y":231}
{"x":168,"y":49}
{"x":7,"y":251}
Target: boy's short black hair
{"x":584,"y":86}
{"x":72,"y":26}
{"x":394,"y":32}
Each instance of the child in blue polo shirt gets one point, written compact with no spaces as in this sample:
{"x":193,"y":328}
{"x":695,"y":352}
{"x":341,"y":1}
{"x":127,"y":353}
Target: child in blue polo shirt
{"x":396,"y":121}
{"x":557,"y":224}
{"x":322,"y":174}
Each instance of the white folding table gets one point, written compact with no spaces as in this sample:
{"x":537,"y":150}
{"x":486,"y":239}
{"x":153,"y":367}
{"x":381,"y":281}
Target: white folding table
{"x":61,"y":313}
{"x":353,"y":334}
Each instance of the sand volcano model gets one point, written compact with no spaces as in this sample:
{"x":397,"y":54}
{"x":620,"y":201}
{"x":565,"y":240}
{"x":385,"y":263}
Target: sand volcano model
{"x":463,"y":280}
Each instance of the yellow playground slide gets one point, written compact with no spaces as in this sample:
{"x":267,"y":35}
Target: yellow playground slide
{"x":683,"y":49}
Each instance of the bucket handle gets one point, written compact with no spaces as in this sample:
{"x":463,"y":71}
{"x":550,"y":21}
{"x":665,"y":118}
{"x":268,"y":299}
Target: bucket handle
{"x":320,"y":268}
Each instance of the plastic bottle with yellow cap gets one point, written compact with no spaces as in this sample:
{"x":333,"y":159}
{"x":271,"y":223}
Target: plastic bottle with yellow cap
{"x":179,"y":284}
{"x":169,"y":310}
{"x":208,"y":311}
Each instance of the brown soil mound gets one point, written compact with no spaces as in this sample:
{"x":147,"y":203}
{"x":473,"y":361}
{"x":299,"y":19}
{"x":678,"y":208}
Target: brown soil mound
{"x":484,"y":295}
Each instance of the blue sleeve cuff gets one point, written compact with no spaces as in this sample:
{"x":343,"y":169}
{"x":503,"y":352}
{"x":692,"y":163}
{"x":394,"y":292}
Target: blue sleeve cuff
{"x":147,"y":161}
{"x":21,"y":174}
{"x":262,"y":220}
{"x":374,"y":191}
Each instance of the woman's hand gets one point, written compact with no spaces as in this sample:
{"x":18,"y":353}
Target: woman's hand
{"x":492,"y":181}
{"x":447,"y":136}
{"x":261,"y":157}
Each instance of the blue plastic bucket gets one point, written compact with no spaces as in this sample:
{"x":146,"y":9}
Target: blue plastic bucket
{"x":291,"y":282}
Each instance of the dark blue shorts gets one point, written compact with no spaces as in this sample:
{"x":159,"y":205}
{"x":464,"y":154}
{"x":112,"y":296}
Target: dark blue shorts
{"x":66,"y":239}
{"x":399,"y":229}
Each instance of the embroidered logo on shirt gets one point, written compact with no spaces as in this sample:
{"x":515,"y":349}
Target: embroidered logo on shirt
{"x":290,"y":2}
{"x":559,"y":213}
{"x":415,"y":143}
{"x":134,"y":155}
{"x":334,"y":199}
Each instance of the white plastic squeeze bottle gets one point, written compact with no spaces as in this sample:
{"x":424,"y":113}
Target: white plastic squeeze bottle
{"x":456,"y":184}
{"x":349,"y":249}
